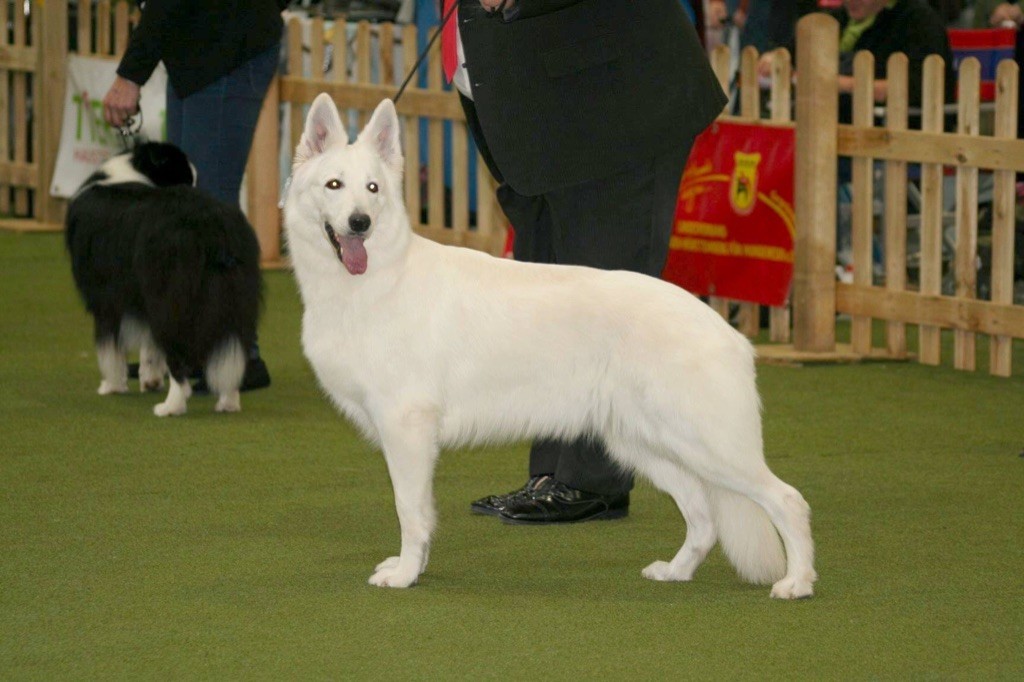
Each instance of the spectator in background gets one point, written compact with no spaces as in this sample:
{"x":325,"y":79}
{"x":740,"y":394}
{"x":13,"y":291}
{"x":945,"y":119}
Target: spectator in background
{"x":764,"y":24}
{"x":719,"y":12}
{"x":883,"y":28}
{"x":948,"y":10}
{"x":720,"y":15}
{"x":996,"y":13}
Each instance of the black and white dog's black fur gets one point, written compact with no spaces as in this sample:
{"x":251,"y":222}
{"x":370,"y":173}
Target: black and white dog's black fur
{"x":166,"y":268}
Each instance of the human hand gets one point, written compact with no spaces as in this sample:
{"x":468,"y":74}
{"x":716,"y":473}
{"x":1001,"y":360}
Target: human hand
{"x":1005,"y":13}
{"x":716,"y":14}
{"x":765,"y":63}
{"x":495,"y":5}
{"x":739,"y":18}
{"x":121,"y":101}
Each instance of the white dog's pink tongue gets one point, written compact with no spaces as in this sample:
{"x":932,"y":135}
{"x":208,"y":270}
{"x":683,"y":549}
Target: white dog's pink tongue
{"x":353,"y":254}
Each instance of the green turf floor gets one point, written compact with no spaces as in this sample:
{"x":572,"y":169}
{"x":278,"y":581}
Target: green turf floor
{"x":238,"y":546}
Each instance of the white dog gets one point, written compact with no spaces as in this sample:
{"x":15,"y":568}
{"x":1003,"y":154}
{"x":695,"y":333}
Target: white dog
{"x":426,"y":346}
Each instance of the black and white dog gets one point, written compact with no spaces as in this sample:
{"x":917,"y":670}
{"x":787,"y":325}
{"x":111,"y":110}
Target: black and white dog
{"x":167,"y":269}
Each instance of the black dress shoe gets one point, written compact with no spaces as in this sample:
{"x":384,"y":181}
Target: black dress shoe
{"x":558,"y":503}
{"x":492,"y":505}
{"x":256,"y":376}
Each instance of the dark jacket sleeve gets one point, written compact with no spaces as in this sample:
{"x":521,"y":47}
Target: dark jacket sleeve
{"x":145,"y":46}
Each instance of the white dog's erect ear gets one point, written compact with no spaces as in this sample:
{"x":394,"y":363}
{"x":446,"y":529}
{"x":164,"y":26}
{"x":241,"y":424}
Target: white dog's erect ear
{"x":382,"y":132}
{"x":323,"y":129}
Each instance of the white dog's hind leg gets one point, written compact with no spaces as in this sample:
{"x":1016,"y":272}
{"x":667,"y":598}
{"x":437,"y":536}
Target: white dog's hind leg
{"x":791,"y":516}
{"x":113,"y":367}
{"x":152,"y":365}
{"x":176,"y":402}
{"x":691,"y":497}
{"x":410,"y":448}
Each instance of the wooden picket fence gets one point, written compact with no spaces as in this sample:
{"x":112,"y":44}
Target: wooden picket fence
{"x":27,"y":142}
{"x":363,"y":69}
{"x":817,"y":296}
{"x":33,"y":47}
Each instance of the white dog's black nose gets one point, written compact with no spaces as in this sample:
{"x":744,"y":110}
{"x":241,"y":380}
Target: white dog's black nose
{"x":359,"y":222}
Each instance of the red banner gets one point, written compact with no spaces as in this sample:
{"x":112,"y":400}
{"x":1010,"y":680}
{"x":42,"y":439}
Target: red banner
{"x":734,"y":228}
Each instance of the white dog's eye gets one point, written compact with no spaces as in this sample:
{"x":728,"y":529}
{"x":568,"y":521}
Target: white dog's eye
{"x":334,"y":183}
{"x":372,"y":186}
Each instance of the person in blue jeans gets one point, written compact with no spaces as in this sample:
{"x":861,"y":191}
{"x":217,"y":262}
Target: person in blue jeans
{"x":220,"y":57}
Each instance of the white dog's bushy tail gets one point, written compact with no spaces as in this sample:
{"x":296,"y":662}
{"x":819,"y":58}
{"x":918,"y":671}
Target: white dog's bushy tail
{"x":748,"y":537}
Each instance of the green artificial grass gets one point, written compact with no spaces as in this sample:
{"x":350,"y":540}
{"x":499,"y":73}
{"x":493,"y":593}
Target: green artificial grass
{"x":238,"y":546}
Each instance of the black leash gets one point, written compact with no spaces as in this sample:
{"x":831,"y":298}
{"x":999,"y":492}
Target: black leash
{"x":423,"y":54}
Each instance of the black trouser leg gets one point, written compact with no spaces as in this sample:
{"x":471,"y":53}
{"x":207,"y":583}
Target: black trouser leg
{"x":622,"y":222}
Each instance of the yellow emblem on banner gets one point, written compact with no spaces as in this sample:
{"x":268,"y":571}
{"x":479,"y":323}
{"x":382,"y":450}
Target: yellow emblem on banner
{"x":743,"y":186}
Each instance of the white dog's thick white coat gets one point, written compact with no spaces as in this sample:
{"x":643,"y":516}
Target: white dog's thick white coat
{"x":429,"y":346}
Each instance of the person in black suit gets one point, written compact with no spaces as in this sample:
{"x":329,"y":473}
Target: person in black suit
{"x":585,"y":112}
{"x":220,"y":57}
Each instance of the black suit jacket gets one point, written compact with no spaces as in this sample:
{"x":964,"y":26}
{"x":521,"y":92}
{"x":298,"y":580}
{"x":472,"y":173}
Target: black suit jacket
{"x":567,"y":91}
{"x":199,"y":40}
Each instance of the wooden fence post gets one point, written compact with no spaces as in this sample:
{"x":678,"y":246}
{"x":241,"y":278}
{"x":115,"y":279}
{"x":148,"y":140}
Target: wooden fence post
{"x":750,"y":110}
{"x":862,"y":214}
{"x":49,"y":106}
{"x":263,"y":173}
{"x":779,"y":327}
{"x":929,"y":338}
{"x":895,"y":220}
{"x":721,"y":65}
{"x":817,"y":107}
{"x":966,"y":253}
{"x":1007,"y":83}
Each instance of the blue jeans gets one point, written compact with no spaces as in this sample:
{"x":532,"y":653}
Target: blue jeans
{"x":215,"y":125}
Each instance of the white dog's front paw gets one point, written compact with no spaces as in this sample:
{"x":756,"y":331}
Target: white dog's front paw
{"x":167,"y":409}
{"x":665,"y":572}
{"x":108,"y":388}
{"x":389,"y":573}
{"x":793,"y":588}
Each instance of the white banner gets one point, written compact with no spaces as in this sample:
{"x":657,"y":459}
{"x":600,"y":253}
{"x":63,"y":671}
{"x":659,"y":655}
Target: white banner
{"x":86,"y":140}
